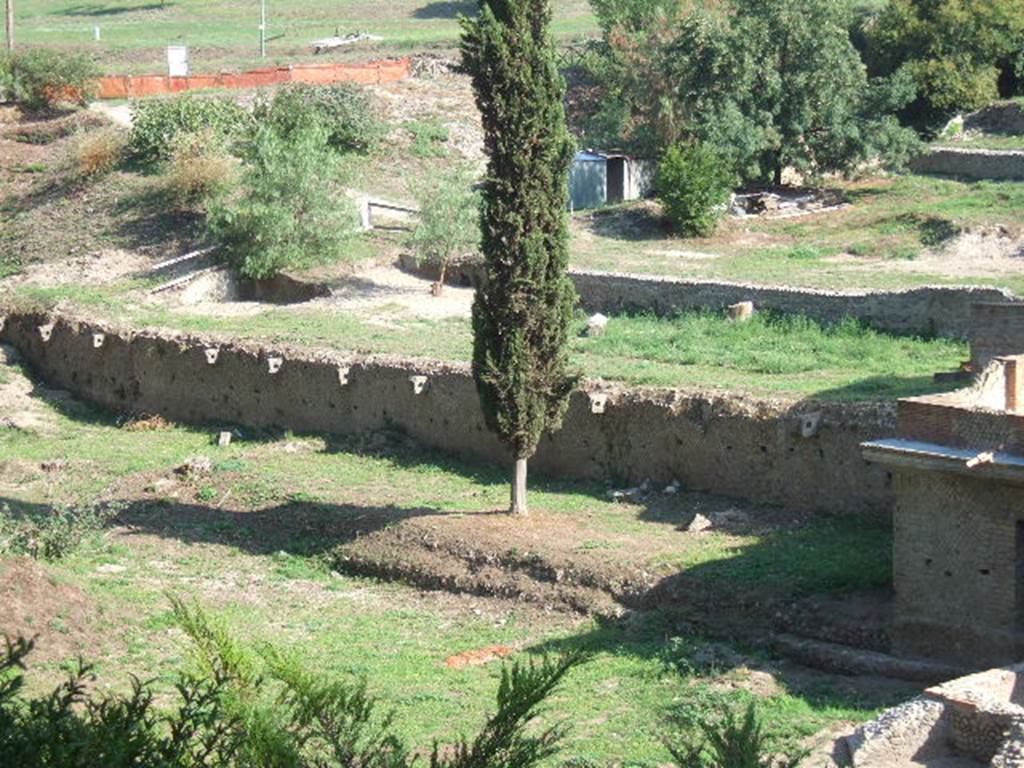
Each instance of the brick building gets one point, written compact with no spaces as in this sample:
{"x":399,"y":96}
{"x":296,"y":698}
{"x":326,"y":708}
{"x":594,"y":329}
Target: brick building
{"x":958,"y":472}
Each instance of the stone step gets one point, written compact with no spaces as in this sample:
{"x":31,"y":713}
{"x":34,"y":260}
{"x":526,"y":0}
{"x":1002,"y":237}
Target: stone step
{"x":843,"y":659}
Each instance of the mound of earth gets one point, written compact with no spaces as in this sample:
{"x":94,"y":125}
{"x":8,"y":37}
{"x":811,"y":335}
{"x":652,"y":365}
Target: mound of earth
{"x":36,"y":605}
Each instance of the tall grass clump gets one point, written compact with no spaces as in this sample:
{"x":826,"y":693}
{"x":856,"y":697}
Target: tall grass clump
{"x":200,"y":170}
{"x":96,"y":153}
{"x":50,"y":533}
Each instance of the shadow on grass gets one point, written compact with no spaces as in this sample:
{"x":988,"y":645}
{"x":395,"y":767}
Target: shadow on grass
{"x":885,"y":388}
{"x":98,"y":10}
{"x":632,"y":223}
{"x":446,"y":10}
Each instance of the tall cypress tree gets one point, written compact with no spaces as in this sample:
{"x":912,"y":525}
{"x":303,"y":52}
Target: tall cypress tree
{"x":523,"y":311}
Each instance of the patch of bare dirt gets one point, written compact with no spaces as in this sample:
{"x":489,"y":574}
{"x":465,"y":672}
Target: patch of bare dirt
{"x":19,"y":408}
{"x":37,"y":605}
{"x":982,"y":252}
{"x":445,"y":97}
{"x":104,"y":267}
{"x":378,"y":292}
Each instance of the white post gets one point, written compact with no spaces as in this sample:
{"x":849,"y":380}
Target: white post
{"x":263,"y":29}
{"x":9,"y":15}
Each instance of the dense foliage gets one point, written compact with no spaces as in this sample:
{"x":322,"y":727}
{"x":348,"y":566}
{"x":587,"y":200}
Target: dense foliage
{"x":286,"y":212}
{"x":694,"y":186}
{"x":770,"y":83}
{"x":238,"y":707}
{"x":523,"y":313}
{"x":158,"y":124}
{"x":40,"y":78}
{"x":955,"y":51}
{"x":449,"y":222}
{"x":343,"y":110}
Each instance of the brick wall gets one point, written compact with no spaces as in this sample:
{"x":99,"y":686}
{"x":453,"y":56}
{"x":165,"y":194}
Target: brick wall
{"x":955,"y":568}
{"x":997,"y":330}
{"x":941,"y":419}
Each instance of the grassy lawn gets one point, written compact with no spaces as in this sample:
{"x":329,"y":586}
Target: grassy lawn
{"x":225,"y":34}
{"x":984,"y":141}
{"x":252,"y":538}
{"x":769,"y":355}
{"x":878,"y":242}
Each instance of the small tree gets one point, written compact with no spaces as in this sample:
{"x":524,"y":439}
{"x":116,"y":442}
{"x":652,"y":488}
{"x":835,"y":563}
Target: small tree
{"x":449,"y":223}
{"x":694,"y":184}
{"x":287,"y":213}
{"x":522,"y":314}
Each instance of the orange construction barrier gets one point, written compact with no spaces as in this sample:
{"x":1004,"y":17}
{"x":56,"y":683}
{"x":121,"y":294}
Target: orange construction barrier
{"x":373,"y":73}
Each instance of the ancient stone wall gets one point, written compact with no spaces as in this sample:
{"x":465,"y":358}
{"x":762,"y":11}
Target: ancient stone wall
{"x":1005,"y":165}
{"x":1001,"y":117}
{"x":939,"y":311}
{"x":929,"y":311}
{"x":804,"y":456}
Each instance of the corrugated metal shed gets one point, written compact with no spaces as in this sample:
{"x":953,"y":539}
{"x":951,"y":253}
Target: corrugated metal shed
{"x":599,"y":178}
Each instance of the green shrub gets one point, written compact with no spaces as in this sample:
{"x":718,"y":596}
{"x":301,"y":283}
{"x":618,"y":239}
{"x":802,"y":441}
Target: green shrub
{"x":449,"y":222}
{"x":50,"y":534}
{"x":728,"y":742}
{"x":199,"y":170}
{"x":694,"y":184}
{"x":287,"y":213}
{"x":42,"y":78}
{"x":240,"y":708}
{"x":344,"y":111}
{"x":157,"y":124}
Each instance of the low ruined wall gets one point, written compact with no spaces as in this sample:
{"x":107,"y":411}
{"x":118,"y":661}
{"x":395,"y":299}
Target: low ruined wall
{"x":938,"y":311}
{"x":993,"y":164}
{"x":373,"y":73}
{"x":929,"y":311}
{"x":1001,"y":117}
{"x":752,"y":449}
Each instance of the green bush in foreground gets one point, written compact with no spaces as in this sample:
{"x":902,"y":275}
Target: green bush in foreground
{"x":41,"y":78}
{"x":240,"y":707}
{"x":694,"y":185}
{"x":288,"y":212}
{"x":158,"y":124}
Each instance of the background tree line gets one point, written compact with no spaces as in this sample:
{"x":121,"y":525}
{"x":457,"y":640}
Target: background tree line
{"x":819,"y":85}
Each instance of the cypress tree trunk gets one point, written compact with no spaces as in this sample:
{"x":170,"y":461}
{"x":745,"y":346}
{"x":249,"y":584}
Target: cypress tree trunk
{"x":519,"y":489}
{"x":523,"y":311}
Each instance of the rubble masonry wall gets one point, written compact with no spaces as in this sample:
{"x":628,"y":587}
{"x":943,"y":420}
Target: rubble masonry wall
{"x":753,"y":449}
